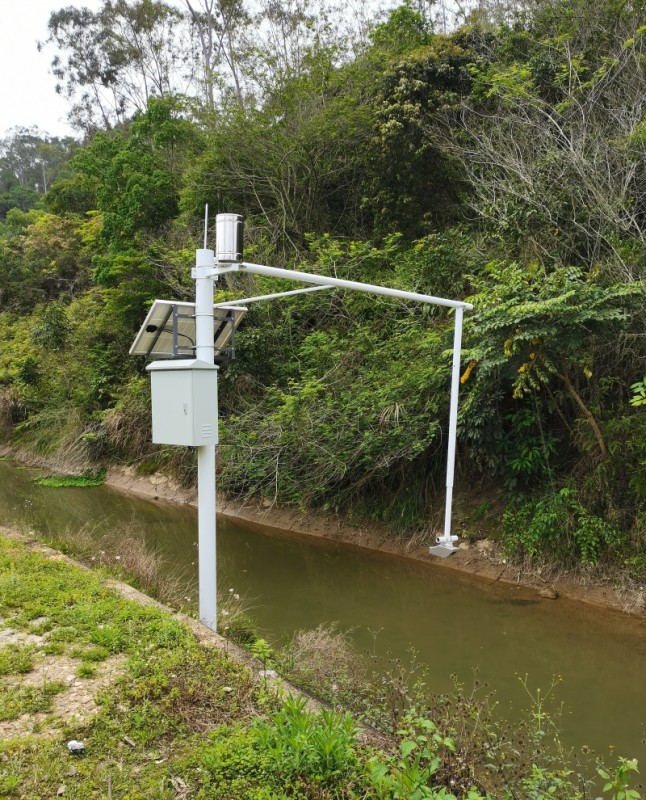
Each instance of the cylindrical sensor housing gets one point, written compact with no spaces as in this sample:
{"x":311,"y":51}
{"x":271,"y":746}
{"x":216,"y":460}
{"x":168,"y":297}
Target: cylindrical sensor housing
{"x":228,"y":238}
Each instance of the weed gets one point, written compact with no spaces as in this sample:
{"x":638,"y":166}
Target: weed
{"x":324,"y":661}
{"x":409,"y":773}
{"x":28,"y":699}
{"x":90,"y":654}
{"x":16,"y":659}
{"x":87,"y":478}
{"x":618,"y":781}
{"x":86,"y":670}
{"x":301,"y":743}
{"x":261,"y":649}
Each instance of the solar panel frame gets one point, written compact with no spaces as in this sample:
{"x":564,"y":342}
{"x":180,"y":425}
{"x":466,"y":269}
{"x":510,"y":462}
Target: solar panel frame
{"x":156,"y":339}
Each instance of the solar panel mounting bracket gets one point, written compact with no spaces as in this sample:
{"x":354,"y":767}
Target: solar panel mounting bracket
{"x":166,"y":326}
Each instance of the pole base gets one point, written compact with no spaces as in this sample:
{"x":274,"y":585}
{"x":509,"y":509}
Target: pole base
{"x":442,"y":550}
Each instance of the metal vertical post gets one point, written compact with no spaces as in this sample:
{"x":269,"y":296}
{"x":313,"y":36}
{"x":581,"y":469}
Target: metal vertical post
{"x":447,"y":539}
{"x":204,"y":350}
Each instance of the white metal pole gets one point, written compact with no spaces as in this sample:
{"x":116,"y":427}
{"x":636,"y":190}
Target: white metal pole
{"x":256,"y":298}
{"x":204,"y":350}
{"x":324,"y":280}
{"x":448,"y":539}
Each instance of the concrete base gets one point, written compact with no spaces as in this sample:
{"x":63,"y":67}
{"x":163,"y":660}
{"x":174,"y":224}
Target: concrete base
{"x":442,"y":550}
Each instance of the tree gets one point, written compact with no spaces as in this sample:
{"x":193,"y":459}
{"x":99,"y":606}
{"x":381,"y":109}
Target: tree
{"x":552,"y":137}
{"x":110,"y":63}
{"x":412,"y":183}
{"x":30,"y":161}
{"x":218,"y":26}
{"x":533,"y":329}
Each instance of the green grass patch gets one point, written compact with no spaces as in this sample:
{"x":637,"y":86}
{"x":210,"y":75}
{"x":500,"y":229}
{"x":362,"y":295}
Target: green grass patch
{"x":86,"y":670}
{"x":15,"y":701}
{"x":84,"y":479}
{"x":16,"y":659}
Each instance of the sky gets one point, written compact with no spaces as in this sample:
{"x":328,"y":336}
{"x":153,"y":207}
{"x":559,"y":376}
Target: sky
{"x":27,"y":90}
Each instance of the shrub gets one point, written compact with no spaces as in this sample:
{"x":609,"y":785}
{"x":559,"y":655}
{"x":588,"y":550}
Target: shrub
{"x":558,"y":527}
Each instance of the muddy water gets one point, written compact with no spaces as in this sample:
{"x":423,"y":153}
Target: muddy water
{"x":454,"y":623}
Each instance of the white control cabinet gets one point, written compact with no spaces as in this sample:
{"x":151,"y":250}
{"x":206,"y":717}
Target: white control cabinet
{"x":184,"y":402}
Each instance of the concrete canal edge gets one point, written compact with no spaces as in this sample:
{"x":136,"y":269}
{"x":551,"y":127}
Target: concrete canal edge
{"x":480,"y":560}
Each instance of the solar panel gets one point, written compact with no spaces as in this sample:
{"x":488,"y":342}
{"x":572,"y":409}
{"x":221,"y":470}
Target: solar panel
{"x":169,"y":330}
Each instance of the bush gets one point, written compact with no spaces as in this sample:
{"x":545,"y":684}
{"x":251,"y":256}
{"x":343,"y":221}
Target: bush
{"x":558,"y":527}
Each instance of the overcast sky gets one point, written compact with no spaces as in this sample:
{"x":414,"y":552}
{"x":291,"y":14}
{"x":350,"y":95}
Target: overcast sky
{"x":27,"y":93}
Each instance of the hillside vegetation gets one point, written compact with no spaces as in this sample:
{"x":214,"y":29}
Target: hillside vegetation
{"x":501,"y":160}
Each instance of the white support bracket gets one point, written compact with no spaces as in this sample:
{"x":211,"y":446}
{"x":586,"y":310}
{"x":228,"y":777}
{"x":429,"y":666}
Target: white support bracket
{"x":444,"y":544}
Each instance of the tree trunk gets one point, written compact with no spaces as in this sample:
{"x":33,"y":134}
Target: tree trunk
{"x":565,"y":377}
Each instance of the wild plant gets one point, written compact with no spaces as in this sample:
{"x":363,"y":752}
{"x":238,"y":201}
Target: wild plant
{"x":617,"y":781}
{"x":408,"y":775}
{"x":302,"y":743}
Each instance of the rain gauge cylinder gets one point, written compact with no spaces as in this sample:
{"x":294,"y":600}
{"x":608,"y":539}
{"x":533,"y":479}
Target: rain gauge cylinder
{"x":228,"y":238}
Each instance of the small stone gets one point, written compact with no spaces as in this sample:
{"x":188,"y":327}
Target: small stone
{"x":60,"y":791}
{"x":75,"y":747}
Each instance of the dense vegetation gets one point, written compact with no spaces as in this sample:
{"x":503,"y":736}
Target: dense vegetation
{"x":502,"y":160}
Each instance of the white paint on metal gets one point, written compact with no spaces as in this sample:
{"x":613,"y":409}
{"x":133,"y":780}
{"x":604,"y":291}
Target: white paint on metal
{"x":325,"y":280}
{"x":184,"y":402}
{"x":204,"y":351}
{"x":445,"y":542}
{"x":258,"y":297}
{"x":447,"y":539}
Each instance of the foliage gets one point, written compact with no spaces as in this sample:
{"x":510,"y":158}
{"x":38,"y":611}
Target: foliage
{"x":618,"y":782}
{"x":557,"y":526}
{"x":301,"y":743}
{"x":114,"y":60}
{"x":30,"y":161}
{"x":501,"y":160}
{"x":409,"y":774}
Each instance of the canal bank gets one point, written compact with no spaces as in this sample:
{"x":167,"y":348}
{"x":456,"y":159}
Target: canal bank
{"x":480,"y":558}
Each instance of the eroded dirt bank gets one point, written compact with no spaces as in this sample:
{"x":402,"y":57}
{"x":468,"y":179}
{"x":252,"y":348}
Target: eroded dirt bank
{"x":481,"y":559}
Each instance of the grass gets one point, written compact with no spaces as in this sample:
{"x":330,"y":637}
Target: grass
{"x":182,"y":720}
{"x":28,"y":699}
{"x":171,"y":690}
{"x":16,"y":659}
{"x":87,"y":478}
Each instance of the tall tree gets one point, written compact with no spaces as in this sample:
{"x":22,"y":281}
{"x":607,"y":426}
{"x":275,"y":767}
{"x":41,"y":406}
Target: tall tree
{"x":30,"y":161}
{"x":110,"y":63}
{"x":552,"y":137}
{"x":219,"y":26}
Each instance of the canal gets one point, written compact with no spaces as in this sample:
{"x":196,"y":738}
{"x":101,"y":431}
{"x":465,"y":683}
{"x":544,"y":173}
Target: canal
{"x":455,"y":624}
